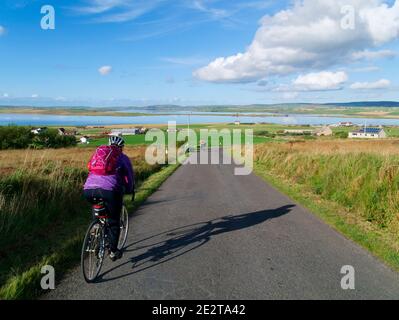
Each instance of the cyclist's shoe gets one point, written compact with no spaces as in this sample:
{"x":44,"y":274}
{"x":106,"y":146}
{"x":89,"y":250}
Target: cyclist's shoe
{"x":115,"y":255}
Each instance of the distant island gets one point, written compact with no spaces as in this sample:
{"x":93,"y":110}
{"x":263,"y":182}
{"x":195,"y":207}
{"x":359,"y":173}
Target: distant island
{"x":375,"y":109}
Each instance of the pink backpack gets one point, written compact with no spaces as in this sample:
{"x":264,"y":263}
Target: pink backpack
{"x":104,"y":161}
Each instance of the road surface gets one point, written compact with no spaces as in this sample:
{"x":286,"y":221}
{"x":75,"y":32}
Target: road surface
{"x":207,"y":234}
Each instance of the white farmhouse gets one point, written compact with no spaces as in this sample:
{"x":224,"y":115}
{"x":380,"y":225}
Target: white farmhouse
{"x":368,"y":133}
{"x":84,"y":140}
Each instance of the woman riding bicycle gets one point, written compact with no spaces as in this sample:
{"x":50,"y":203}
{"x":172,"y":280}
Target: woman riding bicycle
{"x":111,"y":176}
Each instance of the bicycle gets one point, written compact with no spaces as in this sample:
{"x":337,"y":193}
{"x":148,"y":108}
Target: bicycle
{"x":96,"y":243}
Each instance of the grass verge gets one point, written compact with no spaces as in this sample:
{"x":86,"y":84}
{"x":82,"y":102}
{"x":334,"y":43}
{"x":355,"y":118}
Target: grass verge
{"x":25,"y":283}
{"x":379,"y":242}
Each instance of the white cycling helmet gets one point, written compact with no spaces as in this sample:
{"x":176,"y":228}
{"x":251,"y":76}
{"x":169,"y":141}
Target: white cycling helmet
{"x":116,"y":141}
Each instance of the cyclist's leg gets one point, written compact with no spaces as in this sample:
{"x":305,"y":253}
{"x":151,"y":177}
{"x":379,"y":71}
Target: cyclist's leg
{"x":114,"y":202}
{"x":89,"y":195}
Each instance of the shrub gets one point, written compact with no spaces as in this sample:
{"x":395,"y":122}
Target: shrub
{"x":266,"y":134}
{"x":51,"y":139}
{"x":15,"y":137}
{"x":341,"y":134}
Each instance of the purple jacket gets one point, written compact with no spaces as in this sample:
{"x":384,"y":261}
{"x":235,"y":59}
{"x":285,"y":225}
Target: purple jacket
{"x":123,"y":178}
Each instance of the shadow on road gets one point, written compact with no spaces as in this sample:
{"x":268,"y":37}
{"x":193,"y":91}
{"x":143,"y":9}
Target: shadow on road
{"x":182,"y":240}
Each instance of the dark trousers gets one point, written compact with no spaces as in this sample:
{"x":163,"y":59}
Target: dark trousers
{"x":113,"y":201}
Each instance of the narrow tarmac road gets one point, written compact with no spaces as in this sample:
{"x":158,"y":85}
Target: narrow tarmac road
{"x":207,"y":234}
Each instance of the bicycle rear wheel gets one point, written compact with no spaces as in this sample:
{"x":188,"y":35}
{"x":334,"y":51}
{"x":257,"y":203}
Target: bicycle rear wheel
{"x":124,"y":225}
{"x":93,"y":251}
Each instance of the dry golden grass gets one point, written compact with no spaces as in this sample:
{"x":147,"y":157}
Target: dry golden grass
{"x":37,"y":186}
{"x":362,"y":176}
{"x":330,"y":147}
{"x":374,"y":113}
{"x":10,"y":160}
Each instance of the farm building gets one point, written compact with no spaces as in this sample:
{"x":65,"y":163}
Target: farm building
{"x":38,"y":130}
{"x":124,"y":132}
{"x":343,"y":124}
{"x":368,"y":133}
{"x":324,"y":131}
{"x":346,"y":124}
{"x":63,"y":132}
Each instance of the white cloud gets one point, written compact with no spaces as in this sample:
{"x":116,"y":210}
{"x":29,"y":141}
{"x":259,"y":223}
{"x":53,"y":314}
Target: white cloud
{"x":105,"y":70}
{"x":2,"y":30}
{"x":35,"y":96}
{"x":316,"y":81}
{"x":369,"y":55}
{"x":100,"y":6}
{"x":215,"y":13}
{"x":116,"y":11}
{"x":5,"y":95}
{"x":381,"y":21}
{"x":184,"y":61}
{"x":380,"y":84}
{"x":367,"y":69}
{"x":307,"y":37}
{"x":321,"y":81}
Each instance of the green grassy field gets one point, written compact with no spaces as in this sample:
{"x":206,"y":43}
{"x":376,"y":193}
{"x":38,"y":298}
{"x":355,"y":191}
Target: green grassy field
{"x":129,"y":140}
{"x":140,"y":139}
{"x":261,"y":133}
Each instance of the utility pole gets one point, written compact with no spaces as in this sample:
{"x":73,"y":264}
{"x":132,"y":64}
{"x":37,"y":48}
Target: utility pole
{"x":188,"y":126}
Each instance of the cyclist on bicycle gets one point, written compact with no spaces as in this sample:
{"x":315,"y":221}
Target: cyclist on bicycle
{"x":110,"y":184}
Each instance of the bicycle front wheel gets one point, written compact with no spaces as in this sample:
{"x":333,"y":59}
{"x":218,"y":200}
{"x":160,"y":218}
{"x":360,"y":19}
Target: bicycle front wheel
{"x":124,"y":225}
{"x":93,"y":251}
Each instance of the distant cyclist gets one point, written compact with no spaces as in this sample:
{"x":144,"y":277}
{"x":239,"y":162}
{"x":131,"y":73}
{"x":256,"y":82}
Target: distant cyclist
{"x":111,"y":176}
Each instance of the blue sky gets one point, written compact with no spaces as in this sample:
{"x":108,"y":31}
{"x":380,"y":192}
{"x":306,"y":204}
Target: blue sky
{"x":187,"y":52}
